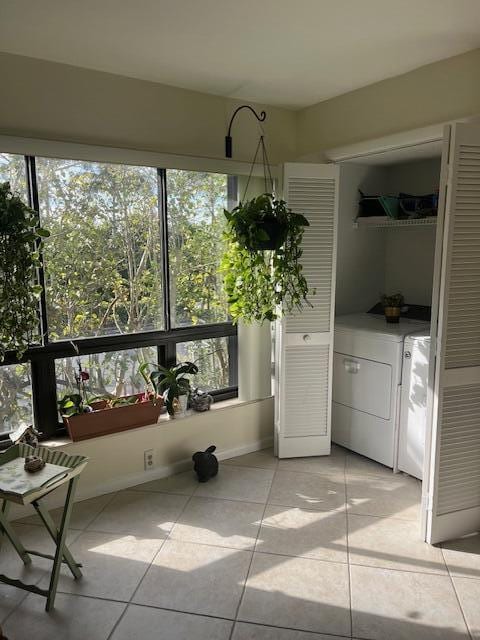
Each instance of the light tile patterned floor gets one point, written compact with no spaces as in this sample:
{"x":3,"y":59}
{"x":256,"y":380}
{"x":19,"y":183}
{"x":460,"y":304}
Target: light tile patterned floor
{"x":308,"y":549}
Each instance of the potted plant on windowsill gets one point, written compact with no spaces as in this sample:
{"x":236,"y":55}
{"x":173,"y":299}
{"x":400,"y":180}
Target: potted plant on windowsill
{"x":263,"y":274}
{"x":392,"y":306}
{"x":171,"y":383}
{"x":87,"y":417}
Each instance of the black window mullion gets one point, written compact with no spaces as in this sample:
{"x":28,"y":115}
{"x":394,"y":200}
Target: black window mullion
{"x":44,"y":396}
{"x":232,"y":345}
{"x":161,"y":354}
{"x":170,"y":353}
{"x":162,"y":204}
{"x":44,"y":388}
{"x":35,"y":204}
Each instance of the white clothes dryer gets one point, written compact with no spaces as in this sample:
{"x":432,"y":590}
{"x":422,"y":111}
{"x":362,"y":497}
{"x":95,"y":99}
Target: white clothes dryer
{"x":367,"y":377}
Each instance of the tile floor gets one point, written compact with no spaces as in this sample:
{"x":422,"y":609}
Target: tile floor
{"x":308,"y":549}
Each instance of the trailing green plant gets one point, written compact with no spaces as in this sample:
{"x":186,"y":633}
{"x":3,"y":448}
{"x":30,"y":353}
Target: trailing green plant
{"x":263,"y":275}
{"x":20,"y":240}
{"x":171,"y":383}
{"x":394,"y":300}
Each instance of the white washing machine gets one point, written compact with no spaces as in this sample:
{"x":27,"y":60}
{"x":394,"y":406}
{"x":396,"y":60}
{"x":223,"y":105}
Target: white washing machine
{"x":367,"y":374}
{"x":413,"y":406}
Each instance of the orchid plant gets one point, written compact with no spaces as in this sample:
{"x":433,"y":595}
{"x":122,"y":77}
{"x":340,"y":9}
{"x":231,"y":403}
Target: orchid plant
{"x":71,"y":404}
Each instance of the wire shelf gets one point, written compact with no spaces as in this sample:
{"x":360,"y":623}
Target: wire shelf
{"x":382,"y":222}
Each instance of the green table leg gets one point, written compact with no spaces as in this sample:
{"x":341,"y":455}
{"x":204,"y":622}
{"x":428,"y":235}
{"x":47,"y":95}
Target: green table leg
{"x":61,"y":539}
{"x":8,"y":530}
{"x":54,"y":534}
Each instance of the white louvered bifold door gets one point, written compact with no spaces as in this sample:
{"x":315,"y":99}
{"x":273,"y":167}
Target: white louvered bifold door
{"x":453,"y":507}
{"x":304,"y":340}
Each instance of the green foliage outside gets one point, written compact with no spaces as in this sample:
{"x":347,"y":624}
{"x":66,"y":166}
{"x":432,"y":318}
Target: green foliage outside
{"x":103,"y":268}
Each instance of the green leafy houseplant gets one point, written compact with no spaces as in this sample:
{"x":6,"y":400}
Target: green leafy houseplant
{"x":262,"y":271}
{"x":72,"y":404}
{"x":20,"y":239}
{"x":171,"y":382}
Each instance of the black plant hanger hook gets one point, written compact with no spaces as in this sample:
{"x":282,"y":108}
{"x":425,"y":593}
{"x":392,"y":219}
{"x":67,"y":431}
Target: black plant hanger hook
{"x":228,"y":137}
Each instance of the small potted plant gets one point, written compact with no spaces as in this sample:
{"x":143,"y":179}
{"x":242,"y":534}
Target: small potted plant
{"x":392,"y":306}
{"x":263,"y":273}
{"x":89,"y":417}
{"x":170,"y":383}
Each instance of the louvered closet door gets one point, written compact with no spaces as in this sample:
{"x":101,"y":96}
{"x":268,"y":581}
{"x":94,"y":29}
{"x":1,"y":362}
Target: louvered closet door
{"x":454,"y":474}
{"x":305,"y":339}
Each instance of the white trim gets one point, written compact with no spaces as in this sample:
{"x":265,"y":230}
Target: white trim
{"x":401,"y":140}
{"x":429,"y":460}
{"x":453,"y":525}
{"x":232,"y":403}
{"x":95,"y":153}
{"x":290,"y":446}
{"x":394,"y":141}
{"x":134,"y":479}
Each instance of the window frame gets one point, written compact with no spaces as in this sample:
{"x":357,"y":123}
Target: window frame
{"x":42,"y":357}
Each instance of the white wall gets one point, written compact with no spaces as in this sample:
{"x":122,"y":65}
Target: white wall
{"x":439,"y":92}
{"x":410,"y":252}
{"x":372,"y":261}
{"x":56,"y":101}
{"x":417,"y":177}
{"x":409,"y":258}
{"x":254,"y":361}
{"x":360,"y":252}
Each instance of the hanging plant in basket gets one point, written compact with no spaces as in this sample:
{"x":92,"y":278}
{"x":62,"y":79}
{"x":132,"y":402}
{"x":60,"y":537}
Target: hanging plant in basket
{"x":263,"y":275}
{"x":20,"y":239}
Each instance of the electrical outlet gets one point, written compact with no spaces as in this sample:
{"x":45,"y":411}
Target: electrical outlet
{"x":149,"y":459}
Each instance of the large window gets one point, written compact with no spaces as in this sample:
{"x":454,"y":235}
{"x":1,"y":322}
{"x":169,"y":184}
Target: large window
{"x":16,"y":397}
{"x":196,"y":223}
{"x":13,"y":170}
{"x":213,"y":357}
{"x":131,"y":275}
{"x":114,"y":372}
{"x":103,"y":265}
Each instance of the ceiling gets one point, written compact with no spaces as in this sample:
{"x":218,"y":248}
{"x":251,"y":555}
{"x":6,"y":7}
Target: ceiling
{"x":290,"y":53}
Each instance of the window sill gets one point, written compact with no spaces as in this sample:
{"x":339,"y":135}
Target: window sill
{"x":164,"y":419}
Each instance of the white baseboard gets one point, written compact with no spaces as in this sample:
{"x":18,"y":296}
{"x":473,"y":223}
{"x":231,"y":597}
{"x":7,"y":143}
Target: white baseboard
{"x":125,"y":482}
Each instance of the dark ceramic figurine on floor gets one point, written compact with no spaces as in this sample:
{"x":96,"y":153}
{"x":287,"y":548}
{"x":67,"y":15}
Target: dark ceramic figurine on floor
{"x":205,"y":464}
